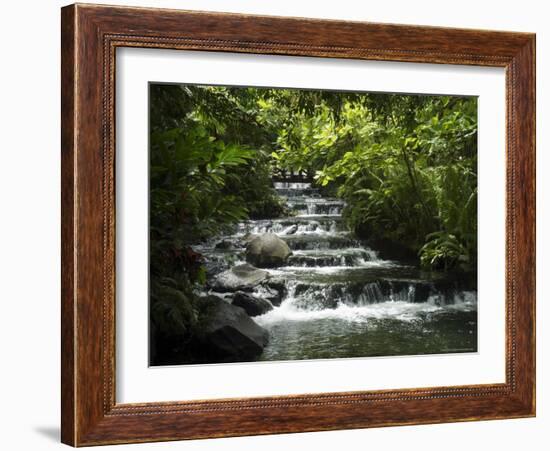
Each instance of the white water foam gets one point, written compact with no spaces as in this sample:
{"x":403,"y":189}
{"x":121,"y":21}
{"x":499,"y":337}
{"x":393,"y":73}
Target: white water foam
{"x":391,"y":309}
{"x":286,"y":270}
{"x":404,"y":311}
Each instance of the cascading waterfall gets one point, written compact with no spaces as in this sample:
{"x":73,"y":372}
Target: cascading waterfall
{"x":342,"y":300}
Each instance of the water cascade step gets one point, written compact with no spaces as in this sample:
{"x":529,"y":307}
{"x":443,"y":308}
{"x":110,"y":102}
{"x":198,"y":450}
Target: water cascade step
{"x":337,"y":298}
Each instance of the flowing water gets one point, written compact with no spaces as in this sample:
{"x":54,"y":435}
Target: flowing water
{"x":339,"y":299}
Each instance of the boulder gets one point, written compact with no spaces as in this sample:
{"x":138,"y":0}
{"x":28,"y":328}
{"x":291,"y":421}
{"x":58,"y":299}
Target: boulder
{"x":230,"y":335}
{"x":252,"y":305}
{"x":247,"y":238}
{"x":267,"y":251}
{"x":239,"y":278}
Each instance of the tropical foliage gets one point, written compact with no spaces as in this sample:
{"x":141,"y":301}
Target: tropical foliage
{"x":406,"y":165}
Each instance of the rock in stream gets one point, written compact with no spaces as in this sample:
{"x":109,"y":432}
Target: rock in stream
{"x":231,"y":335}
{"x":267,"y":251}
{"x":241,"y":277}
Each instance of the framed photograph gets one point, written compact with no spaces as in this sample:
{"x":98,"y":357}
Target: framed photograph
{"x":278,"y":225}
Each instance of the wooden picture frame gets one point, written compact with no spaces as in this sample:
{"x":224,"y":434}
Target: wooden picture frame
{"x":90,"y":412}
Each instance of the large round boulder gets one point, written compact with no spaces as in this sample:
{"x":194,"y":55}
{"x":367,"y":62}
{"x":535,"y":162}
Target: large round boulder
{"x":229,"y":334}
{"x":252,"y":305}
{"x":267,"y":251}
{"x":239,"y":278}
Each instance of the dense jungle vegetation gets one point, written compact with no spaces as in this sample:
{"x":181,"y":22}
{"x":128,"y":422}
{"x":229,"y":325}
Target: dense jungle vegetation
{"x":406,"y":165}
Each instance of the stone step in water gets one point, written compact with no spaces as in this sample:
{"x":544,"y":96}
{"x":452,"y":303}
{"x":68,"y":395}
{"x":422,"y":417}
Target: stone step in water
{"x":314,"y":206}
{"x":290,"y":192}
{"x":332,"y":257}
{"x":292,"y":185}
{"x":319,"y":241}
{"x":314,"y":296}
{"x":382,"y":270}
{"x":289,"y":226}
{"x":315,"y":200}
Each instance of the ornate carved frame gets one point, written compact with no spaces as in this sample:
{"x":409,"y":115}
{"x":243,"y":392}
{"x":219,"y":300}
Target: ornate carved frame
{"x":90,"y":36}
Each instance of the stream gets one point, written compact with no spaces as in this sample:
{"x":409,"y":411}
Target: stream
{"x":340,"y":299}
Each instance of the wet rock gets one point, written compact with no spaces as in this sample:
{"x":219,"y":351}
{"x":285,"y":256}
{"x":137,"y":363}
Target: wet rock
{"x":267,"y":251}
{"x":224,"y":245}
{"x":239,"y":278}
{"x":422,"y":292}
{"x":271,"y":295}
{"x":318,"y":297}
{"x":291,"y":230}
{"x":230,"y":335}
{"x":247,"y":238}
{"x":319,"y":242}
{"x":274,"y":290}
{"x":252,"y":305}
{"x":215,"y":266}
